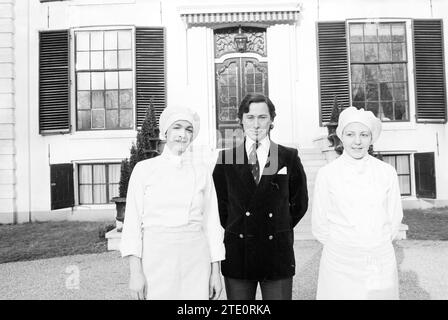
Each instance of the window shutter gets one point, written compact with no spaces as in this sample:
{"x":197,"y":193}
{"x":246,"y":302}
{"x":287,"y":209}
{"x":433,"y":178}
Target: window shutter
{"x":333,"y":67}
{"x":430,"y":88}
{"x":150,"y":71}
{"x":54,"y":81}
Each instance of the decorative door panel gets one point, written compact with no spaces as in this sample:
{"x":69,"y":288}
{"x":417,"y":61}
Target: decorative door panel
{"x":236,"y":77}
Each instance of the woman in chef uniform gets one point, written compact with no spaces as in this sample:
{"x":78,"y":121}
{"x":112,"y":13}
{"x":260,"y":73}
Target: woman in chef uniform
{"x":171,"y":233}
{"x":356,"y":214}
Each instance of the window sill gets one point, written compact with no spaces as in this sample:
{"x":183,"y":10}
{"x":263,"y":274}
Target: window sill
{"x":394,"y":126}
{"x":103,"y":134}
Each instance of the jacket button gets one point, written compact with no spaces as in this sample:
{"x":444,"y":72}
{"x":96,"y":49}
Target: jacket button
{"x":270,"y":215}
{"x":241,"y":236}
{"x":271,"y":237}
{"x":247,"y":213}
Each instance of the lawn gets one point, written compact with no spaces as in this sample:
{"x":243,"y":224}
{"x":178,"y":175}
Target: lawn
{"x":40,"y":240}
{"x":427,"y":224}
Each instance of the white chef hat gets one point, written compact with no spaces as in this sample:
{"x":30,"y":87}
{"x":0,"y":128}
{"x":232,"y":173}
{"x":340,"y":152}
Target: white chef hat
{"x":367,"y":118}
{"x":172,"y":114}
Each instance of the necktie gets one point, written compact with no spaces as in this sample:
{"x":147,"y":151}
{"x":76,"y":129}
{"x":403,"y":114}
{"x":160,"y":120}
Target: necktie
{"x":253,"y":162}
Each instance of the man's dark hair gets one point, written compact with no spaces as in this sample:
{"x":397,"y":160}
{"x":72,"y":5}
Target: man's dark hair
{"x":255,"y":97}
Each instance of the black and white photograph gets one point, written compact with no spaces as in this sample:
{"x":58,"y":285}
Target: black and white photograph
{"x":220,"y":150}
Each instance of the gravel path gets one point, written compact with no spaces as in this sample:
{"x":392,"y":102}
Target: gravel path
{"x":423,"y":274}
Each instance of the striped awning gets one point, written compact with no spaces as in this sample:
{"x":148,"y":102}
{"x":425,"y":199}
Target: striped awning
{"x":213,"y":18}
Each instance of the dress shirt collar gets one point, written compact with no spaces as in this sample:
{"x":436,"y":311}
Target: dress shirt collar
{"x":263,"y":145}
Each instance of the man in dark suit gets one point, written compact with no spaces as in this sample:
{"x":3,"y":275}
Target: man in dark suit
{"x":262,"y":195}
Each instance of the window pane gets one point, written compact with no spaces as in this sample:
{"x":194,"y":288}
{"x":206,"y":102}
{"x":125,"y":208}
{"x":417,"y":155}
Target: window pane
{"x":371,"y":52}
{"x":99,"y":173}
{"x":124,"y":39}
{"x":110,"y":40}
{"x":386,"y":90}
{"x":83,"y":100}
{"x":83,"y":82}
{"x":125,"y":59}
{"x":85,"y":194}
{"x":111,"y":119}
{"x":97,"y":80}
{"x":405,"y":184}
{"x":97,"y":99}
{"x":111,"y":80}
{"x":82,"y":60}
{"x":371,"y":73}
{"x":84,"y":121}
{"x":401,"y":108}
{"x":385,"y":53}
{"x":126,"y":118}
{"x":126,"y":99}
{"x":372,"y":92}
{"x":370,"y":32}
{"x":82,"y":41}
{"x":85,"y":173}
{"x":356,"y":32}
{"x":390,"y":160}
{"x":357,"y":73}
{"x":114,"y":173}
{"x":98,"y":118}
{"x":357,"y":52}
{"x":399,"y":72}
{"x":398,"y":32}
{"x":385,"y":73}
{"x":399,"y":91}
{"x":125,"y":79}
{"x":99,"y":194}
{"x":384,"y":32}
{"x":388,"y":111}
{"x":110,"y":60}
{"x":372,"y":106}
{"x":96,"y":60}
{"x":113,"y":190}
{"x":358,"y":92}
{"x":398,"y":52}
{"x":112,"y":99}
{"x":403,"y":164}
{"x":96,"y":40}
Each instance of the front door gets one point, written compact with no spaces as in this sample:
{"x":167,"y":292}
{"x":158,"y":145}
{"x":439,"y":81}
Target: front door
{"x":425,"y":177}
{"x":62,"y":191}
{"x":238,"y":71}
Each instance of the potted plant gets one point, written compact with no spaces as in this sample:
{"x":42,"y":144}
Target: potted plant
{"x":147,"y":146}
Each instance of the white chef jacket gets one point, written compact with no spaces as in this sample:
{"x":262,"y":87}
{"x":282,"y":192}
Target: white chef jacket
{"x":171,"y":192}
{"x":356,"y":203}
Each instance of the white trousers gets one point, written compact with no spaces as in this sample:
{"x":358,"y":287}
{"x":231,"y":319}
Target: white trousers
{"x":176,"y":264}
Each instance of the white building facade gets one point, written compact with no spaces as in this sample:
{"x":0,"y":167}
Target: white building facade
{"x":76,"y":77}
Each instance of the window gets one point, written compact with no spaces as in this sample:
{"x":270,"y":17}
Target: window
{"x":378,"y":63}
{"x":104,"y":80}
{"x":98,"y":183}
{"x":401,"y":163}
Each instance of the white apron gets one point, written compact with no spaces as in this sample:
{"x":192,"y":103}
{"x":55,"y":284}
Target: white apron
{"x":353,"y":273}
{"x":176,"y":263}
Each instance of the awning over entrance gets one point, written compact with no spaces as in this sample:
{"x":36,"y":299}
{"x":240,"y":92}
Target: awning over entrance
{"x":206,"y":16}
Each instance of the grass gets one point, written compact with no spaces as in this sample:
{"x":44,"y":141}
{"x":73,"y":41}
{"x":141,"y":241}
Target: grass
{"x":427,"y":224}
{"x":41,"y":240}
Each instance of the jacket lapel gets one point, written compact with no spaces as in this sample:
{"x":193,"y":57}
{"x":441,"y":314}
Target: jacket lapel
{"x":274,"y":163}
{"x":241,"y":165}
